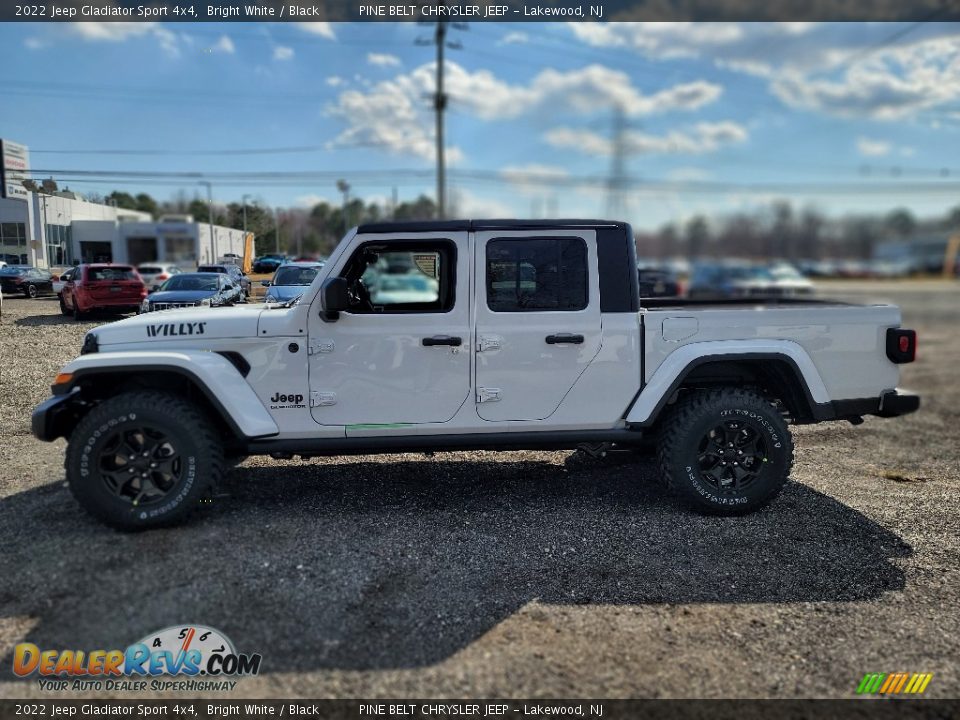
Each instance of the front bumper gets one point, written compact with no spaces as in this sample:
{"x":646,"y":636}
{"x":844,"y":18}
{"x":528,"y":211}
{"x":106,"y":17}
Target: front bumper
{"x":55,"y":417}
{"x":891,"y":403}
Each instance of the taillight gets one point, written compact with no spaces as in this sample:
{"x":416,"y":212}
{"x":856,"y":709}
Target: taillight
{"x":161,"y":276}
{"x":901,"y":345}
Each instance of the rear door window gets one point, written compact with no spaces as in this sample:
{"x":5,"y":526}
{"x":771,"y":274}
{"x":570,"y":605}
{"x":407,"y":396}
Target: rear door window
{"x":537,"y":274}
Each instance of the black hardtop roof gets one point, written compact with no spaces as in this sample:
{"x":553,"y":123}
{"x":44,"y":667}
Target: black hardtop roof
{"x":467,"y":225}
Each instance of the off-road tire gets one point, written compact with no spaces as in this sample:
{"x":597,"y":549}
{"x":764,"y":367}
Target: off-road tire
{"x":191,"y":434}
{"x":688,"y":432}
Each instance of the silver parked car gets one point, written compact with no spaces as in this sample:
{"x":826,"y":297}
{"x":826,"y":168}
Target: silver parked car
{"x":154,"y":274}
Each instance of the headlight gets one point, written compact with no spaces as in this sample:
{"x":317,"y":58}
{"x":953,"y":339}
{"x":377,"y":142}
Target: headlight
{"x":145,"y":306}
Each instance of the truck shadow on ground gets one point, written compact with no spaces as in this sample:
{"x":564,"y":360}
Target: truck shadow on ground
{"x":358,"y":565}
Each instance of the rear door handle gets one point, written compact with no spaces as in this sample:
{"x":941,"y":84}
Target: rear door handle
{"x":442,"y":340}
{"x":564,"y":339}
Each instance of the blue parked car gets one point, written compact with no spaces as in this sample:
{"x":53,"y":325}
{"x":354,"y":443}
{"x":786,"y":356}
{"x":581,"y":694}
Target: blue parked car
{"x":290,"y":280}
{"x":194,"y":289}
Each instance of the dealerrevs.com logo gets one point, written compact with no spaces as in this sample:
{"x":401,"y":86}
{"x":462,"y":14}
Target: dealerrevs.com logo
{"x":180,"y":657}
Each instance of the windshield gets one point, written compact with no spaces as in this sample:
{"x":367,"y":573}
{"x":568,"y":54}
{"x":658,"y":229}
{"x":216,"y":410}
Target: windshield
{"x":749,"y":273}
{"x":12,"y":271}
{"x":212,"y":268}
{"x":111,"y":273}
{"x":190,"y":282}
{"x":150,"y":269}
{"x":785,"y":272}
{"x":293,"y":275}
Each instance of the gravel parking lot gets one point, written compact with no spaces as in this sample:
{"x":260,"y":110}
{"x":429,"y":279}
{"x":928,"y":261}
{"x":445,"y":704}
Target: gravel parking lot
{"x":513,"y":575}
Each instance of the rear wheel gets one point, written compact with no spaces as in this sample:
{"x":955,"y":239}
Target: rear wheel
{"x":726,"y":451}
{"x":143,"y":459}
{"x":31,"y":291}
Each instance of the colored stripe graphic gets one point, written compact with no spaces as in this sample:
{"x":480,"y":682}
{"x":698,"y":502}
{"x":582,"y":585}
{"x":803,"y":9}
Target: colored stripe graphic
{"x":894,"y":683}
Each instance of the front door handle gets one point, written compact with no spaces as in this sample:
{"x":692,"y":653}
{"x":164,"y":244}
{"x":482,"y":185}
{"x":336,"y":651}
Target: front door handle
{"x":564,"y":339}
{"x":442,"y":340}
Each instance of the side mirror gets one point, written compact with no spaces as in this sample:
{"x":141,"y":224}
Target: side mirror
{"x":334,"y":298}
{"x":265,"y":283}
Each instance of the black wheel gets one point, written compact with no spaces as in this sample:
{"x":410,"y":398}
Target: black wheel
{"x":77,"y":315}
{"x":143,"y":459}
{"x":63,"y":306}
{"x":725,"y":452}
{"x":31,"y":291}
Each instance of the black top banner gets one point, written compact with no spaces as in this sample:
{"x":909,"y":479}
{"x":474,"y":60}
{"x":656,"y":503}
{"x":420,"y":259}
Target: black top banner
{"x":479,"y":10}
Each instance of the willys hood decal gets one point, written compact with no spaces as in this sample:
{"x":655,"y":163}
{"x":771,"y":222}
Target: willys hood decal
{"x":185,"y":324}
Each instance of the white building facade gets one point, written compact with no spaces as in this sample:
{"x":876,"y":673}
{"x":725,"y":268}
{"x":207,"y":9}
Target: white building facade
{"x":59,"y":229}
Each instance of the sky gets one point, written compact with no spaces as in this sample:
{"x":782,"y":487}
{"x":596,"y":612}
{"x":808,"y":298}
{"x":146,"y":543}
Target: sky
{"x":713,"y":118}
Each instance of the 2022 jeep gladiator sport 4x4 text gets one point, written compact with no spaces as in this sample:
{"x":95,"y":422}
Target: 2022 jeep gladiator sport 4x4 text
{"x":468,"y":334}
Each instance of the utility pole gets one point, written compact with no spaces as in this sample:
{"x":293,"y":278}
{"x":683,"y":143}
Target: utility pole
{"x":617,"y":182}
{"x":440,"y":105}
{"x":344,"y":187}
{"x":213,"y":238}
{"x":276,"y":234}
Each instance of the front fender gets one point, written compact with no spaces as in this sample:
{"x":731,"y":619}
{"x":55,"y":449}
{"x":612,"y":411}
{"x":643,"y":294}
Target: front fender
{"x":669,"y":376}
{"x":221,"y":382}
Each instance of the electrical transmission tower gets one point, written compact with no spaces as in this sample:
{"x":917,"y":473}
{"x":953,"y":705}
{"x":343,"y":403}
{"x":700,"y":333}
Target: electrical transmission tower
{"x":618,"y":180}
{"x":440,"y":98}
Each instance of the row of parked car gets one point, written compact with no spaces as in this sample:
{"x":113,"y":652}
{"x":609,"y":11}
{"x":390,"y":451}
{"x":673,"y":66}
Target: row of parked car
{"x":720,"y":280}
{"x":151,"y":286}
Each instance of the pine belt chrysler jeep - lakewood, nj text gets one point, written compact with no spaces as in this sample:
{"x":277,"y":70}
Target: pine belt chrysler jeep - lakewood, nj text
{"x":502,"y":335}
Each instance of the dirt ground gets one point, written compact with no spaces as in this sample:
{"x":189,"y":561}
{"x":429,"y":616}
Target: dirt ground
{"x":526,"y":574}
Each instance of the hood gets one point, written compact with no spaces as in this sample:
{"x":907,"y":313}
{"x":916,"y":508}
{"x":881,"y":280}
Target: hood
{"x":181,"y":296}
{"x":286,"y":292}
{"x":195,"y":325}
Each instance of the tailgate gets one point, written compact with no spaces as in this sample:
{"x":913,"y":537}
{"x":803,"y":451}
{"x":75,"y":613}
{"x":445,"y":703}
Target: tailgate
{"x":114,"y":289}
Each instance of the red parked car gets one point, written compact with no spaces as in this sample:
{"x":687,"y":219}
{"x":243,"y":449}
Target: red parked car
{"x":102,"y":286}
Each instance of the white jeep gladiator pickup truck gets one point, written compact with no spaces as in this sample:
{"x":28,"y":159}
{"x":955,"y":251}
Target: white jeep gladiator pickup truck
{"x":419,"y":337}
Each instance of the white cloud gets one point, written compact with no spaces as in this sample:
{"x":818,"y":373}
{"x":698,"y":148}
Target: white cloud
{"x":311,"y":199}
{"x":323,"y":29}
{"x":688,"y":174}
{"x":469,"y":204}
{"x":281,"y":52}
{"x":701,"y":138}
{"x":519,"y":173}
{"x":887,"y":84}
{"x":335,"y":81}
{"x":111,"y":31}
{"x":383,"y":59}
{"x":117,"y":32}
{"x":872,"y":148}
{"x":392,"y":114}
{"x":821,"y":67}
{"x":34,"y":43}
{"x":223,"y":45}
{"x":514,"y":38}
{"x":533,"y":177}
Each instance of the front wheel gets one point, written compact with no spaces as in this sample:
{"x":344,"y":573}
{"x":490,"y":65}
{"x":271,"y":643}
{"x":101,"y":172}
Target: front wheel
{"x":31,"y":291}
{"x":726,"y":451}
{"x":63,"y":306}
{"x":143,"y":459}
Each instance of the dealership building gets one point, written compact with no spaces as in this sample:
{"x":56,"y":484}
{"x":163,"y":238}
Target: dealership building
{"x":58,"y":228}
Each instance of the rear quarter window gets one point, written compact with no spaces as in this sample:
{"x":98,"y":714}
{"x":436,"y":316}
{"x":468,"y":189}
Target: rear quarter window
{"x":111,"y":273}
